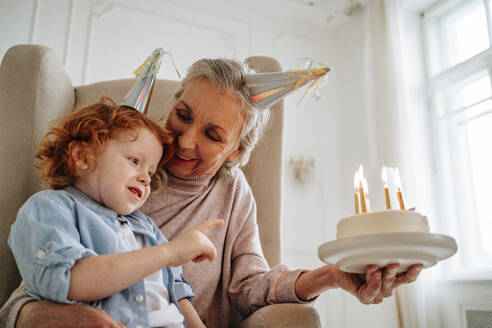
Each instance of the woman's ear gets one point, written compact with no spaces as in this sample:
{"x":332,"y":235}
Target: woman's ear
{"x":235,"y":154}
{"x":80,"y":159}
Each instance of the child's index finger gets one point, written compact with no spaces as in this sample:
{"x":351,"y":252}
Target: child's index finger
{"x":209,"y":224}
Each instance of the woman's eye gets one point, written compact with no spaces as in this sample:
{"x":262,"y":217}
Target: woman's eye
{"x":212,"y":135}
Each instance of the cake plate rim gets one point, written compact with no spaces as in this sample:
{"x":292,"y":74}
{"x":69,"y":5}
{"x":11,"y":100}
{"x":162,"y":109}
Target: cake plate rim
{"x":353,"y":254}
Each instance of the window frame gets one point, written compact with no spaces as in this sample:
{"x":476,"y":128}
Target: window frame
{"x":461,"y":267}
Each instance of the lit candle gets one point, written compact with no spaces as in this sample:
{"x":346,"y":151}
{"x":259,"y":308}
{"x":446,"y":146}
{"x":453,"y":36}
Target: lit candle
{"x":384,"y":176}
{"x":356,"y":191}
{"x":366,"y":194}
{"x":398,"y":189}
{"x":363,"y":190}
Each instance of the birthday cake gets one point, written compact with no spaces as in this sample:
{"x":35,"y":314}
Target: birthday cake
{"x":384,"y":237}
{"x":390,"y":221}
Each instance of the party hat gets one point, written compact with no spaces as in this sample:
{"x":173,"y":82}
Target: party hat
{"x":139,"y":95}
{"x":268,"y":88}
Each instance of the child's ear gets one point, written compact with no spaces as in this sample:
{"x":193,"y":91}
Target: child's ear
{"x":80,"y":159}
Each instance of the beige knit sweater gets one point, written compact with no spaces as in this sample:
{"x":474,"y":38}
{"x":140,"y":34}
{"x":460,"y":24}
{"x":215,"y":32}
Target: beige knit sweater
{"x":239,"y":277}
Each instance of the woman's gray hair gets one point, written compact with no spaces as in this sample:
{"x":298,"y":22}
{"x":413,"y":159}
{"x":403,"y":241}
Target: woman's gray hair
{"x":231,"y":76}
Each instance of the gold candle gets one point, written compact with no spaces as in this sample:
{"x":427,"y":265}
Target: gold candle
{"x":361,"y":188}
{"x":366,"y":195}
{"x":356,"y":193}
{"x":384,"y":176}
{"x":398,"y":189}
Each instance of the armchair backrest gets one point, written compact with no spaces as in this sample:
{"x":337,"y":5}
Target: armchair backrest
{"x":35,"y":89}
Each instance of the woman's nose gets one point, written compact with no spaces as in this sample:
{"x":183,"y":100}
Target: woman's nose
{"x":187,"y":139}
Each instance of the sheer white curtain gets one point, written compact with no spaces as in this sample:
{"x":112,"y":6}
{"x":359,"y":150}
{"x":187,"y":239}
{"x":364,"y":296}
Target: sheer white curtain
{"x":396,"y":101}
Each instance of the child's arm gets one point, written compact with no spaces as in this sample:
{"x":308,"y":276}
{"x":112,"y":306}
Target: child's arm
{"x":96,"y":277}
{"x":191,"y":316}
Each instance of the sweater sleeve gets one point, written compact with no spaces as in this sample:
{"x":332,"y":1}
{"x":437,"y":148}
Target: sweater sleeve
{"x":11,"y":309}
{"x":253,"y":284}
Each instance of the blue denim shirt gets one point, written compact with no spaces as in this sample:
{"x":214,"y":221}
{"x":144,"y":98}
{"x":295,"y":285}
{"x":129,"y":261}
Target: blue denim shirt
{"x":56,"y":228}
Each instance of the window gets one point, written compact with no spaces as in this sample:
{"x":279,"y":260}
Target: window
{"x":459,"y":68}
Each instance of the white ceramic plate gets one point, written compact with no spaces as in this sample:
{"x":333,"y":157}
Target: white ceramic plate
{"x":354,"y":254}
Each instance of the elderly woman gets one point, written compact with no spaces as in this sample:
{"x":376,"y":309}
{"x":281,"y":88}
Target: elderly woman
{"x":217,"y":127}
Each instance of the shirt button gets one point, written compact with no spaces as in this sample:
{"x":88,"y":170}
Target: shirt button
{"x":120,"y":233}
{"x":40,"y":254}
{"x":139,"y":298}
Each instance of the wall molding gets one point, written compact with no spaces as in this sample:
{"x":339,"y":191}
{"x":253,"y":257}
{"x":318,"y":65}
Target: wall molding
{"x":34,"y":21}
{"x":68,"y":32}
{"x":100,"y":8}
{"x":278,"y":37}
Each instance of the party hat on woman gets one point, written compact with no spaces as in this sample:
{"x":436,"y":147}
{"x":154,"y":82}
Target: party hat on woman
{"x":268,"y":88}
{"x":139,"y":95}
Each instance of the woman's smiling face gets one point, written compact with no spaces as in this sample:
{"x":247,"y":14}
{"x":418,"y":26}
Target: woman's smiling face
{"x":207,"y":121}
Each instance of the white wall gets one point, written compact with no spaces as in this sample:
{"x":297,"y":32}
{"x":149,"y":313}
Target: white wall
{"x":356,"y":140}
{"x":101,"y":40}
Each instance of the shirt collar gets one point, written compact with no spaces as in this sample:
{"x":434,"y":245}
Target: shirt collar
{"x":135,"y":220}
{"x":92,"y":204}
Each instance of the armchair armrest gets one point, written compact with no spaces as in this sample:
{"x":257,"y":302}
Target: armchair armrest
{"x":288,"y":315}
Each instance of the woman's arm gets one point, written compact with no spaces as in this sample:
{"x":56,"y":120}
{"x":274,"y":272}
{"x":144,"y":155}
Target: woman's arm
{"x":46,"y":314}
{"x":96,"y":277}
{"x":191,"y":316}
{"x":21,"y":310}
{"x":370,"y":288}
{"x":252,"y":283}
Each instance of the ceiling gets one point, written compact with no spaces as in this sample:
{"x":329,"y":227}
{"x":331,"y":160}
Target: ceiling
{"x":325,"y":13}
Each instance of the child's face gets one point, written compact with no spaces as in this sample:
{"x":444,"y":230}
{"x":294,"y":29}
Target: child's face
{"x":121,"y":179}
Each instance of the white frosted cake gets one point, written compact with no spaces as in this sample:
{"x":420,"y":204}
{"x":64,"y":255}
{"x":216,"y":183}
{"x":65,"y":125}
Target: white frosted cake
{"x":382,"y":222}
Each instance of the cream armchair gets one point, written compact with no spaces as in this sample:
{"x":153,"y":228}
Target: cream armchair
{"x":34,"y":89}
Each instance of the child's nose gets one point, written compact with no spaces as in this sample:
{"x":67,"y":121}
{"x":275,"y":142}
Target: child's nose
{"x":144,"y":179}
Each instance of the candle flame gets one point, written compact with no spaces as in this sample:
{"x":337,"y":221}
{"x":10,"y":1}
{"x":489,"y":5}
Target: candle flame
{"x":361,"y":172}
{"x":356,"y":181}
{"x":397,"y":179}
{"x":384,"y":176}
{"x":364,"y":185}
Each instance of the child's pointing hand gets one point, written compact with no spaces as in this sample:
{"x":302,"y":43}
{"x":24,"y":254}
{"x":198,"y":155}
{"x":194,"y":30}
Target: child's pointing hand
{"x":193,"y":245}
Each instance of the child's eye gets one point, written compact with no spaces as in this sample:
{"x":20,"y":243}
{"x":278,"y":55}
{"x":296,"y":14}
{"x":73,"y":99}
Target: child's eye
{"x":133,"y":160}
{"x":183,"y":115}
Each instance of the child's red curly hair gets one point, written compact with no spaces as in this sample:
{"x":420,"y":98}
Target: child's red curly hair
{"x":89,"y":128}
